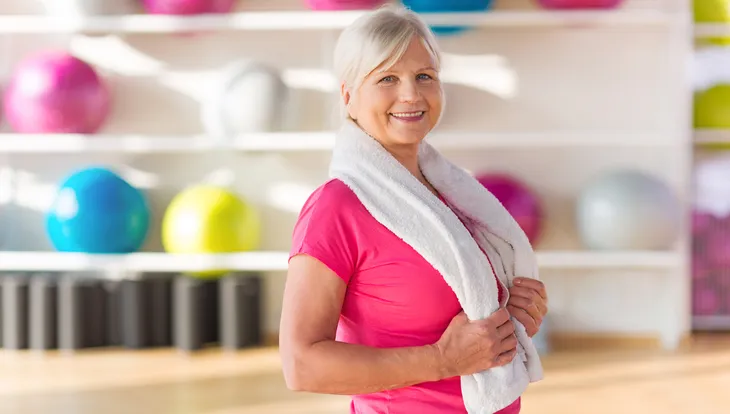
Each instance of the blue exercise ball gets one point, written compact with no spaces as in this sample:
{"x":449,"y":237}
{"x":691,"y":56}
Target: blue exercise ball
{"x":448,"y":6}
{"x":97,"y":211}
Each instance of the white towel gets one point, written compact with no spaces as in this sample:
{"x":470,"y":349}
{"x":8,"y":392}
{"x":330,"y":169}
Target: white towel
{"x":404,"y":205}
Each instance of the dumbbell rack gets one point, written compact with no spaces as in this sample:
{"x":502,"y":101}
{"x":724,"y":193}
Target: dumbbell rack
{"x":73,"y":311}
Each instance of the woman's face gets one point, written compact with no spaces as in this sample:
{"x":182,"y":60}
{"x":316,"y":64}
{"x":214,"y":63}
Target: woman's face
{"x":400,"y":105}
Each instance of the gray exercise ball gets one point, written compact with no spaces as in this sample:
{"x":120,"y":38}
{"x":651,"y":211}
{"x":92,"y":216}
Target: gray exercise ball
{"x":247,"y":97}
{"x":628,"y":210}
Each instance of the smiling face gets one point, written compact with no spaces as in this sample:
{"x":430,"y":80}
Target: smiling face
{"x":399,"y":105}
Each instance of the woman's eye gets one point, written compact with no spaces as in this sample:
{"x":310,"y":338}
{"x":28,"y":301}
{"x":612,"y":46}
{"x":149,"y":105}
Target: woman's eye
{"x":388,"y":79}
{"x":424,"y":76}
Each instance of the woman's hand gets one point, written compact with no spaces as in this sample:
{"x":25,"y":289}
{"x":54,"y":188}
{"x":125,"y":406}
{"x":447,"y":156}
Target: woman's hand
{"x":468,"y":347}
{"x":528,"y":303}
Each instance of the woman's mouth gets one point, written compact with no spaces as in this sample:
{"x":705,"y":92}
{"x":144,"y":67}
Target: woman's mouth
{"x":408,"y":116}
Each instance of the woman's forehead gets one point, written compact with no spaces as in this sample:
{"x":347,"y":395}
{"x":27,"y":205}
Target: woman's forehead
{"x":416,"y":57}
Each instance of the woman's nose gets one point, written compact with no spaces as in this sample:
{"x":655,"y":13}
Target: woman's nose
{"x":409,"y":92}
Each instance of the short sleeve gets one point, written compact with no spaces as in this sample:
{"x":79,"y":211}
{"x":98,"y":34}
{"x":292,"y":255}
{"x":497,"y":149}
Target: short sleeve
{"x":325,"y":231}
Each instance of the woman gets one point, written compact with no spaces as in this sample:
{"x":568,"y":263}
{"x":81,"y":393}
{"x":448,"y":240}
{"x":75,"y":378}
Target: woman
{"x":364,"y":314}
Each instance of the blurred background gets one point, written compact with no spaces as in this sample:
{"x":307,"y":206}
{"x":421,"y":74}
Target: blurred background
{"x":154,"y":156}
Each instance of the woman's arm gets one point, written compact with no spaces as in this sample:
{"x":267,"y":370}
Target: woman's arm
{"x":314,"y":362}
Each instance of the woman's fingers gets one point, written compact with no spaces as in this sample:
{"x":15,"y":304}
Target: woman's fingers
{"x":533,"y":284}
{"x":532,"y":308}
{"x":530,"y":324}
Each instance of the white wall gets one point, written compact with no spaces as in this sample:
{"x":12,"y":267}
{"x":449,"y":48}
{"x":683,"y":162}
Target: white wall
{"x":622,"y":79}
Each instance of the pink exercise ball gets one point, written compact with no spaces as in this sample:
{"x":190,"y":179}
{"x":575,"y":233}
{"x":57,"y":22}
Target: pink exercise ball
{"x":580,"y":4}
{"x":55,"y":92}
{"x":326,"y":5}
{"x":187,"y":7}
{"x":521,"y":202}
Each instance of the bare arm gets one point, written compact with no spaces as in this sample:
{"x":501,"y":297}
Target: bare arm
{"x":313,"y":361}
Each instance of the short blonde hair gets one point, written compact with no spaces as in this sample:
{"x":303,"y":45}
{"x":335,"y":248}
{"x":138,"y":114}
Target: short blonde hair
{"x":380,"y":37}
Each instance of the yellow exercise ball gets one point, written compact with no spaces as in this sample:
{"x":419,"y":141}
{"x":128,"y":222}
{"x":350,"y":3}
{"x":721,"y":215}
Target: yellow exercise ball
{"x":209,"y":219}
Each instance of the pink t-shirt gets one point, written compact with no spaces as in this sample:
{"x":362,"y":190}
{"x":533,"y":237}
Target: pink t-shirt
{"x":394,"y":298}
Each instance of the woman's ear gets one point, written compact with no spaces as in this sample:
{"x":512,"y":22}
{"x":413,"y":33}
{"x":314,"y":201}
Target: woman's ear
{"x":345,"y":92}
{"x":346,"y":99}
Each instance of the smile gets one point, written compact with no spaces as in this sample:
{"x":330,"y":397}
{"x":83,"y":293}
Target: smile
{"x":408,"y":116}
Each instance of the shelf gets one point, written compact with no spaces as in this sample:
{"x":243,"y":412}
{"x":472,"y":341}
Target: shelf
{"x":77,"y":143}
{"x":142,"y":262}
{"x":311,"y":20}
{"x":609,"y":259}
{"x":706,"y":30}
{"x":277,"y":261}
{"x":307,"y":141}
{"x":711,"y":136}
{"x":711,"y":322}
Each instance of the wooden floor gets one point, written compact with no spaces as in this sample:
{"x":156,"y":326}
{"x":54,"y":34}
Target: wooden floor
{"x":693,"y":381}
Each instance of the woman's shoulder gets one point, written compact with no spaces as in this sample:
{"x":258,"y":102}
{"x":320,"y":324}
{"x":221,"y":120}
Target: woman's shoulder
{"x":332,"y":197}
{"x":328,"y":227}
{"x":335,"y":190}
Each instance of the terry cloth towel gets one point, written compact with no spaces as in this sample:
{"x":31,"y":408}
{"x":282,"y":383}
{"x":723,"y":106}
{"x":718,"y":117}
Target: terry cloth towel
{"x":404,"y":205}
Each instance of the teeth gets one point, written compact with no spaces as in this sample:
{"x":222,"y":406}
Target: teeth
{"x":407,"y":114}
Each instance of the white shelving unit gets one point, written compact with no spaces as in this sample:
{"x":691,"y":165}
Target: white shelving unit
{"x":669,"y":21}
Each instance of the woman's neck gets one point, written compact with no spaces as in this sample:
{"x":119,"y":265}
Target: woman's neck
{"x":408,"y":157}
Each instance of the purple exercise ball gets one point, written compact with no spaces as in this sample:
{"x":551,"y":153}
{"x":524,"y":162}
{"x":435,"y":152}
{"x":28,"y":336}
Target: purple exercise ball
{"x":55,"y":92}
{"x":187,"y":7}
{"x":521,"y":202}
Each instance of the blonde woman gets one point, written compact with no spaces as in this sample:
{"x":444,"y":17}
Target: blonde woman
{"x":365,"y":313}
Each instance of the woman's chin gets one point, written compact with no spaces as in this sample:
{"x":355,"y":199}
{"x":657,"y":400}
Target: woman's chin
{"x":409,"y":133}
{"x":412,"y":138}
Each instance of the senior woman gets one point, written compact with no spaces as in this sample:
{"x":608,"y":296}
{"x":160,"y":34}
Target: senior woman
{"x":364,"y":313}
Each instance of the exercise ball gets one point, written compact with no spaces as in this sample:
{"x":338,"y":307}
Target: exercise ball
{"x":448,"y":6}
{"x":209,"y":219}
{"x":343,"y":4}
{"x":580,"y":4}
{"x":247,"y":97}
{"x":712,"y":12}
{"x":187,"y":7}
{"x":625,"y":210}
{"x":97,"y":211}
{"x":55,"y":92}
{"x":521,"y":202}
